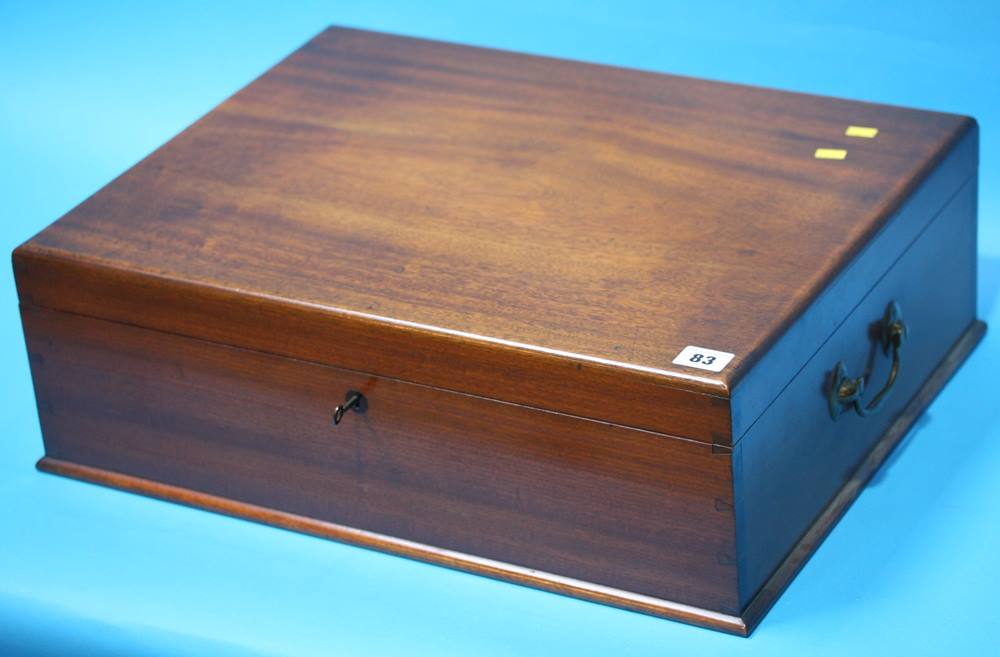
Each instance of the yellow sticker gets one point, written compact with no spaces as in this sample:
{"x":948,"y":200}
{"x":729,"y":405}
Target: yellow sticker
{"x":830,"y":153}
{"x":861,"y":131}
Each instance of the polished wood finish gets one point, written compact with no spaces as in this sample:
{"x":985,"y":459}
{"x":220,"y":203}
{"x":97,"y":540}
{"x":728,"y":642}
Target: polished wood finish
{"x":852,"y":487}
{"x":576,"y":498}
{"x":494,"y":223}
{"x":467,"y":562}
{"x":755,"y":392}
{"x":504,"y":254}
{"x":794,"y":459}
{"x":412,"y":353}
{"x":741,"y":625}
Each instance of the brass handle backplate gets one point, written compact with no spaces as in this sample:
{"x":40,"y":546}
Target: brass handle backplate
{"x":846,"y":392}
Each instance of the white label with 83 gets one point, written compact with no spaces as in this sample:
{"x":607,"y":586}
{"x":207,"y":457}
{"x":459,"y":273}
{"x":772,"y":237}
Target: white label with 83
{"x":703,"y":359}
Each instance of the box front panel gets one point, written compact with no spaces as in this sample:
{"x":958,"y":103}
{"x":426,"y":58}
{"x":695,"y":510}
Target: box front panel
{"x":637,"y":511}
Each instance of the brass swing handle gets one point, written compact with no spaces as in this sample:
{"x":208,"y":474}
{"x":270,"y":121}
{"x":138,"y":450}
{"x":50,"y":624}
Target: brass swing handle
{"x":846,"y":392}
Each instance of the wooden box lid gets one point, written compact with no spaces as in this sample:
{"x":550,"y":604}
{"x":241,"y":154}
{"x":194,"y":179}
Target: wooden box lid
{"x":537,"y":231}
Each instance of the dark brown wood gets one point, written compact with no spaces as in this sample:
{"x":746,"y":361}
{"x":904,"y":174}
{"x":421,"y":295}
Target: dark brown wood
{"x":741,"y":625}
{"x":782,"y":576}
{"x":504,"y":254}
{"x":755,"y":391}
{"x":794,"y":459}
{"x":467,"y":562}
{"x":590,"y":501}
{"x":445,"y":214}
{"x":485,"y":367}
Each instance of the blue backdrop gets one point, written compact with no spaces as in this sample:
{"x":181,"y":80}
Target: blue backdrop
{"x":88,"y":89}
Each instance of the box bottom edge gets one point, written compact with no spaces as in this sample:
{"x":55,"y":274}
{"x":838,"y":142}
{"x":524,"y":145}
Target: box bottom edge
{"x":401,"y":547}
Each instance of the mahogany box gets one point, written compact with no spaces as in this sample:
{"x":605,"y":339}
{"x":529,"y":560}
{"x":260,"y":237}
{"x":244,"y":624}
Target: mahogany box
{"x":625,"y":336}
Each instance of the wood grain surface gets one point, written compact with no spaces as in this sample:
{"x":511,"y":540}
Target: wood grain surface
{"x":795,"y":458}
{"x":504,"y":254}
{"x":742,"y":624}
{"x":590,"y":501}
{"x":394,"y":545}
{"x":516,"y":227}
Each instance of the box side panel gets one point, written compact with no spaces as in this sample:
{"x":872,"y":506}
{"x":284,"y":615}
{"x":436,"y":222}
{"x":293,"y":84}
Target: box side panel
{"x":602,"y":504}
{"x":776,"y":368}
{"x":796,"y":457}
